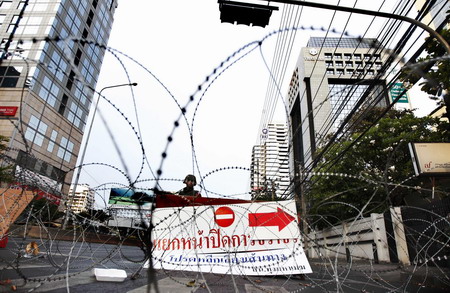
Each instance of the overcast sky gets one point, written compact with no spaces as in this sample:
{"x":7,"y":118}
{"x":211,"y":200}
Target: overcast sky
{"x":169,"y":48}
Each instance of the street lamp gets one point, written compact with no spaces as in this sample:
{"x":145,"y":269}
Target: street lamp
{"x":88,"y":134}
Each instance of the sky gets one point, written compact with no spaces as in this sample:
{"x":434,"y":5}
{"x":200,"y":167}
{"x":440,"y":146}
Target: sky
{"x":170,"y":49}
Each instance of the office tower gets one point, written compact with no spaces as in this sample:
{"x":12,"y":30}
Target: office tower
{"x":333,"y":77}
{"x":270,"y":166}
{"x":437,"y":15}
{"x":83,"y":198}
{"x":47,"y":75}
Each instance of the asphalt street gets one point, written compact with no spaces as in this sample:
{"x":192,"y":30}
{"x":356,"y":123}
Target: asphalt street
{"x":61,"y":266}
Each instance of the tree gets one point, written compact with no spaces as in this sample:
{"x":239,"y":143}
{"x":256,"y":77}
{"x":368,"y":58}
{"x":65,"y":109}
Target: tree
{"x":434,"y":69}
{"x":380,"y":156}
{"x":44,"y":211}
{"x":6,"y":172}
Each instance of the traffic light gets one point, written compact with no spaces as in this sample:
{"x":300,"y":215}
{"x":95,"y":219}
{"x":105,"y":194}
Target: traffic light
{"x":245,"y":13}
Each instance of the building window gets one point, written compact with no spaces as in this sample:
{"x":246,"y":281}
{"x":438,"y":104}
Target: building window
{"x":357,"y":56}
{"x":49,"y":91}
{"x":9,"y":76}
{"x":5,"y":4}
{"x":347,"y":56}
{"x":349,"y":64}
{"x":36,"y":6}
{"x":337,"y":56}
{"x":340,"y":71}
{"x":75,"y":114}
{"x":81,"y":94}
{"x":65,"y":149}
{"x":328,"y":56}
{"x":329,"y":63}
{"x":330,"y":71}
{"x":31,"y":163}
{"x":57,"y":66}
{"x":339,"y":64}
{"x":62,"y":106}
{"x":36,"y":131}
{"x":51,"y":143}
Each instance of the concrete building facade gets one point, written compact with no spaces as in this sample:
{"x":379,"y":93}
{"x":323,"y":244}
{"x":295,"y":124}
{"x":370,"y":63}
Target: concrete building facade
{"x":332,"y":77}
{"x":83,"y":198}
{"x":48,"y":73}
{"x":270,"y":163}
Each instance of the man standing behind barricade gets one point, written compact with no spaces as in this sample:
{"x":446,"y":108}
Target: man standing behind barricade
{"x":190,"y":182}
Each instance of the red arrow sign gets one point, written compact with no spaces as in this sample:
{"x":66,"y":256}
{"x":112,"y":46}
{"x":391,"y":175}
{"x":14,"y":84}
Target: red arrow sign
{"x":279,"y":218}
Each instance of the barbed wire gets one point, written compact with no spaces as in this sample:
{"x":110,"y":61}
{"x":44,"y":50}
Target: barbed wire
{"x":349,"y":262}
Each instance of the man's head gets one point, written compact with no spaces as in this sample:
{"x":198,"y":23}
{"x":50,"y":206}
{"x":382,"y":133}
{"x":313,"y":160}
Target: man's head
{"x":190,"y":180}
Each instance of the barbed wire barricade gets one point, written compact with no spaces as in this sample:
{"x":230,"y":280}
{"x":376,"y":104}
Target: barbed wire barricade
{"x":335,"y":242}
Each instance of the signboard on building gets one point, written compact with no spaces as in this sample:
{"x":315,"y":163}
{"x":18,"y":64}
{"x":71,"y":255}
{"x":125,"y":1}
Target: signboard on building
{"x":8,"y":110}
{"x":128,"y":196}
{"x":129,"y":216}
{"x":261,"y":238}
{"x":396,"y":90}
{"x":430,"y":159}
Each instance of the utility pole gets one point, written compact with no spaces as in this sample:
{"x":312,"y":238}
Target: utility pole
{"x":304,"y":225}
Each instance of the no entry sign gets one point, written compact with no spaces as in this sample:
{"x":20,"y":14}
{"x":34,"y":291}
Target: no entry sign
{"x":260,"y":238}
{"x":224,"y":216}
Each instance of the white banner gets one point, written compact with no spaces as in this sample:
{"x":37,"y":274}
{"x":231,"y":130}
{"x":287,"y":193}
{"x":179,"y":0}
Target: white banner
{"x":246,"y":239}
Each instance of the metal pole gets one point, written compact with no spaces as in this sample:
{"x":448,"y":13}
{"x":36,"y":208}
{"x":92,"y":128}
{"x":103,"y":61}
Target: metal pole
{"x":370,"y":12}
{"x":77,"y":177}
{"x":303,"y":209}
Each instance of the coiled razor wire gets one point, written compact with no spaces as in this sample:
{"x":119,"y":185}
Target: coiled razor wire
{"x":90,"y":242}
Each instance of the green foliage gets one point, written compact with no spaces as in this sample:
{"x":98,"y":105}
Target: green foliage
{"x":433,"y":68}
{"x":44,"y":211}
{"x":381,"y":155}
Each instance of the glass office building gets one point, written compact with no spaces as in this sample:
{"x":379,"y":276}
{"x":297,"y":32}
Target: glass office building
{"x":52,"y":52}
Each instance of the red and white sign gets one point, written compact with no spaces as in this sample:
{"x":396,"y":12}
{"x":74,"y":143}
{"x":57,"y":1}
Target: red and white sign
{"x":278,"y":219}
{"x":260,"y":238}
{"x":8,"y":110}
{"x":224,"y":216}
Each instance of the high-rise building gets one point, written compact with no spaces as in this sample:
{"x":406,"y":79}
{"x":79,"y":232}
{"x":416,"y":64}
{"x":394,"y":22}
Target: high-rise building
{"x":51,"y":60}
{"x":270,"y":166}
{"x":438,"y":12}
{"x":333,"y":77}
{"x":83,"y":198}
